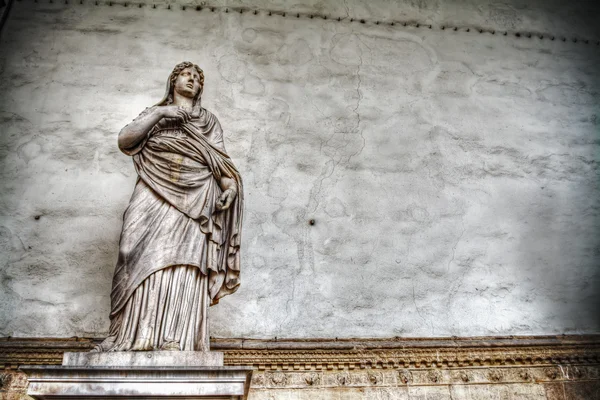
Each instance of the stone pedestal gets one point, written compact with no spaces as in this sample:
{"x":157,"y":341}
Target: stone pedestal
{"x":144,"y":359}
{"x":147,"y":375}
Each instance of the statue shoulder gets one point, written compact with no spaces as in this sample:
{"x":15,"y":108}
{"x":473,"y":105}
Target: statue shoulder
{"x":208,"y":117}
{"x":208,"y":114}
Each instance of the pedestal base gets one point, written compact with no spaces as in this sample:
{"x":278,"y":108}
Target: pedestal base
{"x":64,"y":382}
{"x":137,"y":359}
{"x":139,"y":375}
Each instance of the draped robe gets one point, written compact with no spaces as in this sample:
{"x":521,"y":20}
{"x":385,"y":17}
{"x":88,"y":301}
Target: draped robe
{"x":177,"y":253}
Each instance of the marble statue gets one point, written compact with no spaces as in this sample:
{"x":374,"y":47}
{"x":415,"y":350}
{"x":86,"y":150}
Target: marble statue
{"x":179,"y":247}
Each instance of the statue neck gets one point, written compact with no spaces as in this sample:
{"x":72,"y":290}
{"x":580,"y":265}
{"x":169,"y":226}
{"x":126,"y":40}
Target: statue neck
{"x":182,"y":101}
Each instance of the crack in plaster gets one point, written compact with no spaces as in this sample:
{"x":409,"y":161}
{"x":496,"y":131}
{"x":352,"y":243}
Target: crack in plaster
{"x":456,"y":245}
{"x":316,"y":190}
{"x":355,"y":110}
{"x":347,"y":8}
{"x":288,"y":302}
{"x":417,"y":307}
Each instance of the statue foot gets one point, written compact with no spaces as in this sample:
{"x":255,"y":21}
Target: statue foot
{"x":170,"y":346}
{"x":106,"y":345}
{"x":142,"y":345}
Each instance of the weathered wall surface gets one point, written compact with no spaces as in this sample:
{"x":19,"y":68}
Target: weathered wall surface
{"x":453,"y":176}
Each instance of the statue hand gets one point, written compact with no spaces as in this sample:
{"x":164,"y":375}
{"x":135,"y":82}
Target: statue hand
{"x":175,"y":112}
{"x":226,"y":199}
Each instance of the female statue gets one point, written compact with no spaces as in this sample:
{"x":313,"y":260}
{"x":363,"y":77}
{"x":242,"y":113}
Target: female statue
{"x":179,"y":247}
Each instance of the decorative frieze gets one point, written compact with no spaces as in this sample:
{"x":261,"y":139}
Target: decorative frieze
{"x":423,"y":377}
{"x":373,"y":362}
{"x":351,"y":354}
{"x":396,"y":354}
{"x":535,"y":367}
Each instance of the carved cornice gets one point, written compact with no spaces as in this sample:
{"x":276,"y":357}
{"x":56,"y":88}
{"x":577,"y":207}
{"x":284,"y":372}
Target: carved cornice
{"x":33,"y":351}
{"x":410,"y":353}
{"x":352,"y":354}
{"x":365,"y":363}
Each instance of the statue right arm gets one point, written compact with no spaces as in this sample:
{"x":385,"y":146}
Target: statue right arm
{"x":133,"y":133}
{"x":136,"y":131}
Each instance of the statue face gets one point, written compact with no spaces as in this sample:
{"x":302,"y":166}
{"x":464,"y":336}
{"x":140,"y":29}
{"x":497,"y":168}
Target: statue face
{"x":188,"y":83}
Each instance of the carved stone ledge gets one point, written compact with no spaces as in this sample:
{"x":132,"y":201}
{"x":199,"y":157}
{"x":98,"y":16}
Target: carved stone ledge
{"x":410,"y":353}
{"x":353,"y":354}
{"x":369,"y":365}
{"x":15,"y":352}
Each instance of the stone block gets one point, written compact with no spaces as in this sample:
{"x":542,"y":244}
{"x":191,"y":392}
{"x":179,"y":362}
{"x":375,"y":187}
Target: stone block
{"x":554,"y":391}
{"x":526,"y":391}
{"x":582,"y":390}
{"x":429,"y":393}
{"x":330,"y":394}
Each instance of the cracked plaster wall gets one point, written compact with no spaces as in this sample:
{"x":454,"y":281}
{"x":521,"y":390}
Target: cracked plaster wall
{"x":453,"y":176}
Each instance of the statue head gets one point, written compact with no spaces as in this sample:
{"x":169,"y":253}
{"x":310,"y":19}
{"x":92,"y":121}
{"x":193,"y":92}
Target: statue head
{"x":179,"y":80}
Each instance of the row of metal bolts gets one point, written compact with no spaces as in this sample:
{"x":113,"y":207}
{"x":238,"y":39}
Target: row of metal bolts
{"x":363,"y":21}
